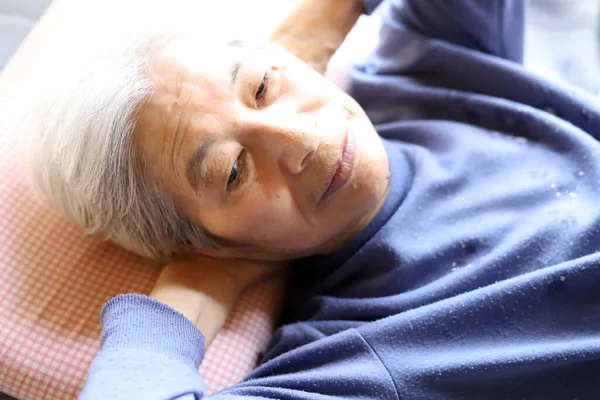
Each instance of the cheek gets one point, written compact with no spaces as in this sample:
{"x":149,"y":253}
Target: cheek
{"x":262,"y":217}
{"x":302,"y":81}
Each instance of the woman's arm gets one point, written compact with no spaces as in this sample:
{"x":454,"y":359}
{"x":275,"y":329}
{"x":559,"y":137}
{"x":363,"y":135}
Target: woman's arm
{"x":490,"y":26}
{"x":206,"y":289}
{"x":151,"y":347}
{"x":315,"y":29}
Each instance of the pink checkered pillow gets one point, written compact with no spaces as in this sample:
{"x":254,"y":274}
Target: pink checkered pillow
{"x":54,"y":280}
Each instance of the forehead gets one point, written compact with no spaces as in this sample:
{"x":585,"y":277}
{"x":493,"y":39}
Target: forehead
{"x":191,"y":95}
{"x":190,"y":56}
{"x":185,"y":71}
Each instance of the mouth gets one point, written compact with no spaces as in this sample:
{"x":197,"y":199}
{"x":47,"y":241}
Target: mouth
{"x":342,"y":170}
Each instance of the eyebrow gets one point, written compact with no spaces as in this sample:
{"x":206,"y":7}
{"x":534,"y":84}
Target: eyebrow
{"x":235,"y":72}
{"x":195,"y":164}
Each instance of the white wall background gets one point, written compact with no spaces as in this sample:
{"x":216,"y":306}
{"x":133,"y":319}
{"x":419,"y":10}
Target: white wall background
{"x":562,"y":36}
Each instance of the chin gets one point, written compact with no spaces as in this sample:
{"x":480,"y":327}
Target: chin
{"x":372,"y":170}
{"x":372,"y":175}
{"x":360,"y":200}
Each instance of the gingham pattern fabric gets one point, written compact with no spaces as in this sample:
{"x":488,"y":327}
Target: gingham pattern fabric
{"x":54,"y":281}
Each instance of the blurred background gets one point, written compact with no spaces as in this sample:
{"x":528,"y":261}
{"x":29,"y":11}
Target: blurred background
{"x":562,"y":36}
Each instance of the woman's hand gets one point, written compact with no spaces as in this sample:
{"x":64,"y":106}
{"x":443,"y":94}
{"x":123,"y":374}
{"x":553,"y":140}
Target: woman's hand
{"x":205,"y":289}
{"x":315,"y":29}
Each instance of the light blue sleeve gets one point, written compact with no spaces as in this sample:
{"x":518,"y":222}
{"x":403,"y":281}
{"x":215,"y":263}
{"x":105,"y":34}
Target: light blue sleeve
{"x":148,"y":351}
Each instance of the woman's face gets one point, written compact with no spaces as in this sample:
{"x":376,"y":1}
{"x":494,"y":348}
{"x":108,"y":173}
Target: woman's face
{"x":265,"y":153}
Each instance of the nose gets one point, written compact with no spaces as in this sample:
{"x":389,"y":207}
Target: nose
{"x":288,"y":138}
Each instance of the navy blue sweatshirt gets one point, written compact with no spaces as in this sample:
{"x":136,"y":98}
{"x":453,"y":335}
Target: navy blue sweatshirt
{"x":479,"y":278}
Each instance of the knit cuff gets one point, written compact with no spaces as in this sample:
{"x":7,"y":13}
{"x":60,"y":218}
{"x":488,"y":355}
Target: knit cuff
{"x":135,"y":321}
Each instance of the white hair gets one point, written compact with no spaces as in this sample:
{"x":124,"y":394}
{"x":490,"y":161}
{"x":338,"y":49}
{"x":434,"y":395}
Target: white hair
{"x":84,"y":160}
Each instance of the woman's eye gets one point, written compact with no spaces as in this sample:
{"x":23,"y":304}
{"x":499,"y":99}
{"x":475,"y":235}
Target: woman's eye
{"x":233,"y":175}
{"x":237,"y":175}
{"x":263,"y":87}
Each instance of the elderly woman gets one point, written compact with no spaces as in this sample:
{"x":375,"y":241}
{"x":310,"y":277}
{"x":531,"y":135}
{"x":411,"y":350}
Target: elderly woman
{"x":449,"y":252}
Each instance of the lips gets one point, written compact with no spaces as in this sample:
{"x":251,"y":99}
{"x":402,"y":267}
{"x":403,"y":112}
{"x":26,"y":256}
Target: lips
{"x":342,"y":170}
